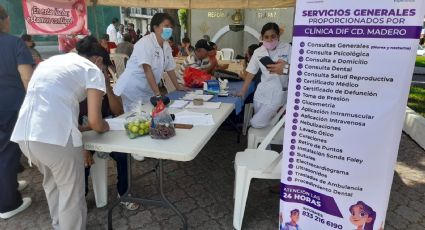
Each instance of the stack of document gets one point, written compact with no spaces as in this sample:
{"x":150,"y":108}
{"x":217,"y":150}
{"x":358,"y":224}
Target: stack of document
{"x":193,"y":118}
{"x":192,"y":96}
{"x":178,"y":104}
{"x":206,"y":105}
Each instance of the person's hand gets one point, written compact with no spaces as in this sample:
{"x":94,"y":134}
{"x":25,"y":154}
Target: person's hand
{"x":88,"y":158}
{"x":183,"y":88}
{"x":239,"y":94}
{"x":278,"y":67}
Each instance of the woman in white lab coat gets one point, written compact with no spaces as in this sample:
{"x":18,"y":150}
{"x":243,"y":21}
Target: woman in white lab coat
{"x":47,"y":128}
{"x":150,"y":58}
{"x":271,"y":93}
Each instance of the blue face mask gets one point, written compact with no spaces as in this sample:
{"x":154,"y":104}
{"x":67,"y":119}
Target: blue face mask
{"x":166,"y":33}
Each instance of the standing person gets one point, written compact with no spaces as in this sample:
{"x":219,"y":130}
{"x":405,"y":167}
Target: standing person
{"x":15,"y":73}
{"x":139,"y":34}
{"x":31,"y":44}
{"x":132,"y":33}
{"x":271,"y":92}
{"x":112,"y":30}
{"x":120,"y":34}
{"x":186,"y":48}
{"x":125,"y":47}
{"x":47,"y":128}
{"x":151,"y":57}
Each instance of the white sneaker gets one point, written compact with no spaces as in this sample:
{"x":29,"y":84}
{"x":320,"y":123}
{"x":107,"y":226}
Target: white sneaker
{"x":23,"y":184}
{"x":26,"y":202}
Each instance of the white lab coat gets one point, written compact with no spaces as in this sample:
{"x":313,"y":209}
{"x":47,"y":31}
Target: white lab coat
{"x":49,"y":113}
{"x":112,"y":32}
{"x":271,"y":93}
{"x":132,"y":85}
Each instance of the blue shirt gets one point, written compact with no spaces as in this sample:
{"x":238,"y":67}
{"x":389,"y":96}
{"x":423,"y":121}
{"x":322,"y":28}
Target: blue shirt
{"x":13,"y":52}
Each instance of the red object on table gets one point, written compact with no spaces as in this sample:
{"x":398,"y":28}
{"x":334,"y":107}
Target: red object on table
{"x":195,"y":78}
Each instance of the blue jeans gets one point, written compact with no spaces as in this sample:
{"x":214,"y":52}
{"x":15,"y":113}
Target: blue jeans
{"x":122,"y":173}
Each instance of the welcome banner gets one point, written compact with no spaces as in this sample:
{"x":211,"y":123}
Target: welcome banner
{"x":352,"y":64}
{"x":55,"y":16}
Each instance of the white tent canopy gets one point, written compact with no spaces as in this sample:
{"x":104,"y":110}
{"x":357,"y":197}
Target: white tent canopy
{"x":198,"y":4}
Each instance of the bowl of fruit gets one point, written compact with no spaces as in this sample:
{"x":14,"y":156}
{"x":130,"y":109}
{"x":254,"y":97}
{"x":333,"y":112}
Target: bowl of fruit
{"x":137,"y":125}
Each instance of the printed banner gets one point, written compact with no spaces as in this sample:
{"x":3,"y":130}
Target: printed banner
{"x":51,"y":17}
{"x":351,"y":68}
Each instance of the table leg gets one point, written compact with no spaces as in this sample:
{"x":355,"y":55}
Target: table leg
{"x":165,"y":199}
{"x":164,"y":202}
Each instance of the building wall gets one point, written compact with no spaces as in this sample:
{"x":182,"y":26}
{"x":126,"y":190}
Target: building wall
{"x":209,"y":22}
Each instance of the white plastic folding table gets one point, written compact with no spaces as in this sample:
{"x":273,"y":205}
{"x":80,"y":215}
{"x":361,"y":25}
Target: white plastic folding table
{"x":185,"y":146}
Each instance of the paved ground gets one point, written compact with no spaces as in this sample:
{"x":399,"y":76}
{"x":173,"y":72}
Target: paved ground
{"x":202,"y":189}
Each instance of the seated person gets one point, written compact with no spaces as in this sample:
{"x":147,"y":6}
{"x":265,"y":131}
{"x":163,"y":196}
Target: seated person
{"x":186,"y":48}
{"x":199,"y":59}
{"x":105,"y":43}
{"x":125,"y":47}
{"x":174,"y":48}
{"x":212,"y":58}
{"x":111,"y":107}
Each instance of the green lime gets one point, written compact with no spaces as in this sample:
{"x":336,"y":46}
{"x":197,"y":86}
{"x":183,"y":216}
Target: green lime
{"x":141,"y":132}
{"x":134,"y":128}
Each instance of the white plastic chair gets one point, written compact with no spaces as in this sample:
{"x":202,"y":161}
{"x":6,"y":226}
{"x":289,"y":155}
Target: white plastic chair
{"x":228,"y":53}
{"x":169,"y":86}
{"x":256,"y":136}
{"x":120,"y":61}
{"x":255,"y":163}
{"x":219,"y":55}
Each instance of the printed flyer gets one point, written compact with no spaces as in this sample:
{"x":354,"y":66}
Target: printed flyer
{"x":352,"y":64}
{"x":52,"y":17}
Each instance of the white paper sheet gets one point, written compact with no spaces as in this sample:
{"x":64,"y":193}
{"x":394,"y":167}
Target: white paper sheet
{"x":206,"y":105}
{"x":193,"y":118}
{"x":192,"y":96}
{"x":116,"y":123}
{"x":178,"y":104}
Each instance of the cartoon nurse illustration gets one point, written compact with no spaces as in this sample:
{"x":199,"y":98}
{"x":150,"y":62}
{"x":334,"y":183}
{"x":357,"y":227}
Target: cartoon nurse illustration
{"x":362,"y":216}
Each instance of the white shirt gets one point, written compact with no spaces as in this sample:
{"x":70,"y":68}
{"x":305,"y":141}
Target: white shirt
{"x":132,"y":85}
{"x":112,"y":32}
{"x":271,"y":90}
{"x":49,"y":113}
{"x":120,"y":37}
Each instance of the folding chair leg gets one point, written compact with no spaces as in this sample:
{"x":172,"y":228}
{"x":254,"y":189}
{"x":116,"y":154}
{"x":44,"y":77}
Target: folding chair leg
{"x":252,"y":143}
{"x":242,"y":183}
{"x":247,"y":117}
{"x":99,"y":175}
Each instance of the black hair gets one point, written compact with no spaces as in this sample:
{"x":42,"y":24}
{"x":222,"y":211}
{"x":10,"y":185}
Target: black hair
{"x":158,"y":18}
{"x":89,"y":46}
{"x":293,"y":212}
{"x":252,"y":48}
{"x":171,"y":39}
{"x":3,"y":17}
{"x":270,"y":26}
{"x":26,"y":37}
{"x":114,"y":20}
{"x":105,"y":37}
{"x":186,"y":40}
{"x":127,"y":37}
{"x":3,"y":13}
